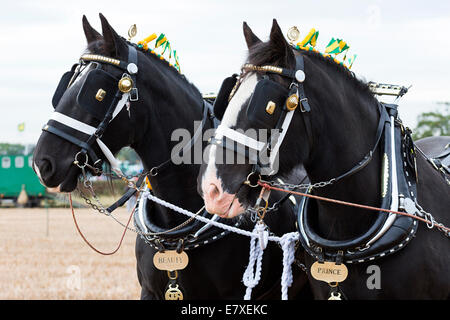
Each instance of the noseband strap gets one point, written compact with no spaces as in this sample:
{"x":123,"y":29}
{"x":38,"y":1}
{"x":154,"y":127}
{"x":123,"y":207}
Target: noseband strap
{"x":73,"y":123}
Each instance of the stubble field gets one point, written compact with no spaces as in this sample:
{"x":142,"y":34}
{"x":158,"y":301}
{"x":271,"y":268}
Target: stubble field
{"x":44,"y":258}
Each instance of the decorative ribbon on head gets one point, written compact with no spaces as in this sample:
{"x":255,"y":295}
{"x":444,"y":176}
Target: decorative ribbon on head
{"x":144,"y":42}
{"x":334,"y":47}
{"x":162,"y":46}
{"x":349,"y":61}
{"x":310,"y":39}
{"x":177,"y":63}
{"x":161,"y":40}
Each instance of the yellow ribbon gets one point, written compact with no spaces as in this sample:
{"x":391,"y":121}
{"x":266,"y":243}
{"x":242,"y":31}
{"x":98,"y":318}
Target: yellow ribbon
{"x":308,"y":39}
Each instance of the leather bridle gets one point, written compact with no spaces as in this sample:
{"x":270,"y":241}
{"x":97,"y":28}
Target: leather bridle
{"x":296,"y":97}
{"x":226,"y":137}
{"x":126,"y":92}
{"x":123,"y":95}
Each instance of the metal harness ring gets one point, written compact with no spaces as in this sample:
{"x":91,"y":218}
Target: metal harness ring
{"x":77,"y":162}
{"x":250,"y":175}
{"x":153,"y":171}
{"x":173,"y":275}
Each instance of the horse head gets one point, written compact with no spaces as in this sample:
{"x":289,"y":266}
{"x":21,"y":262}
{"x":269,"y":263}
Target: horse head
{"x":287,"y":106}
{"x":89,"y":111}
{"x":221,"y":182}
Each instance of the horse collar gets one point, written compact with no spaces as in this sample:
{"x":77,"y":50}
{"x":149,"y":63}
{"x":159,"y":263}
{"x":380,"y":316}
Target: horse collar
{"x":389,"y":233}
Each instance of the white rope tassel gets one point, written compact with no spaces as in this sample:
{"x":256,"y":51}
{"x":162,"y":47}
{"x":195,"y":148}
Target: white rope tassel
{"x":287,"y":243}
{"x":251,"y":276}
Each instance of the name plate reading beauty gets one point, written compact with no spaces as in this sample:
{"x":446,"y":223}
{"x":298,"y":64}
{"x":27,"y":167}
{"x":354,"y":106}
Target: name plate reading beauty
{"x":329,"y":271}
{"x":170,"y":260}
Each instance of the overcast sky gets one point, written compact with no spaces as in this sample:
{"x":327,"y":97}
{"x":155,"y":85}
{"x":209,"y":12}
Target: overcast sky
{"x":400,"y":42}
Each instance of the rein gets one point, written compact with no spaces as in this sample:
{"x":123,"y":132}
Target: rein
{"x":88,"y":243}
{"x":133,"y":188}
{"x":428,"y":218}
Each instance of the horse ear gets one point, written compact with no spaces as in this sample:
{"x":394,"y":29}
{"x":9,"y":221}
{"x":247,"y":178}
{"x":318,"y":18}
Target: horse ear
{"x":279,"y":44}
{"x":250,"y":37}
{"x":115,"y":46}
{"x":90,"y":33}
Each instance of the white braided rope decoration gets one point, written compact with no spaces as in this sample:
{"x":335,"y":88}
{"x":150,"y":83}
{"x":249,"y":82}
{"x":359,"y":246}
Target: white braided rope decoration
{"x":287,"y":242}
{"x":251,"y":276}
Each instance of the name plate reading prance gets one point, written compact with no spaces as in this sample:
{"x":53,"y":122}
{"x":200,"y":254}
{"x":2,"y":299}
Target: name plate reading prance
{"x":170,"y":260}
{"x":329,"y":271}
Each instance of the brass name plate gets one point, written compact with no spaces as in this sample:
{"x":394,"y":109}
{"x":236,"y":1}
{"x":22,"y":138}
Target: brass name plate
{"x":170,"y":260}
{"x":329,"y":271}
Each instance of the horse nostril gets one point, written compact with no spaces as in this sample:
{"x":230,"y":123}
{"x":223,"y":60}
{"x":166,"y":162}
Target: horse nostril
{"x":213,"y":191}
{"x":46,"y":168}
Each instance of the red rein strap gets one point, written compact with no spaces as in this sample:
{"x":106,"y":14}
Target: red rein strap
{"x":87,"y":242}
{"x":351,"y":204}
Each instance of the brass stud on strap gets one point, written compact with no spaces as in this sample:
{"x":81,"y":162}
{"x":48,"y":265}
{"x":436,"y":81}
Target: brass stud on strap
{"x":100,"y":94}
{"x":270,"y":108}
{"x":292,"y":102}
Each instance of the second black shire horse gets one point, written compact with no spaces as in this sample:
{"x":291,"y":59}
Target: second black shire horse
{"x":345,"y":137}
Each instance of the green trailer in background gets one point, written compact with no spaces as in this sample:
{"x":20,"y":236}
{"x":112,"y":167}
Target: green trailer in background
{"x":16,"y":173}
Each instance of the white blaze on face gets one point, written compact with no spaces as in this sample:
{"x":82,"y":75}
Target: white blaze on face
{"x":210,"y":179}
{"x":230,"y":119}
{"x":36,"y":169}
{"x":83,"y":72}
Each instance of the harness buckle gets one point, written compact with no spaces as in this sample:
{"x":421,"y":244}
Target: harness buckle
{"x":302,"y":107}
{"x":293,"y":83}
{"x":134,"y":94}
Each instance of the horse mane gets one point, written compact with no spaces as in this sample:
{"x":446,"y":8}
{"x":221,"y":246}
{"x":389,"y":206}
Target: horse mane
{"x":349,"y":75}
{"x":264,"y":53}
{"x":97,"y":47}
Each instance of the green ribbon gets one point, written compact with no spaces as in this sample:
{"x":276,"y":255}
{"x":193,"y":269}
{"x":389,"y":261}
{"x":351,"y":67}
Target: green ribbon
{"x":161,"y":40}
{"x":350,"y":61}
{"x":167,"y":46}
{"x":177,"y":63}
{"x":336,"y":46}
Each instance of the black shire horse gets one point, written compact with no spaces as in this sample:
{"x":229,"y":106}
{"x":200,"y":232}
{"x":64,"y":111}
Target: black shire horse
{"x":336,"y":121}
{"x":165,"y":101}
